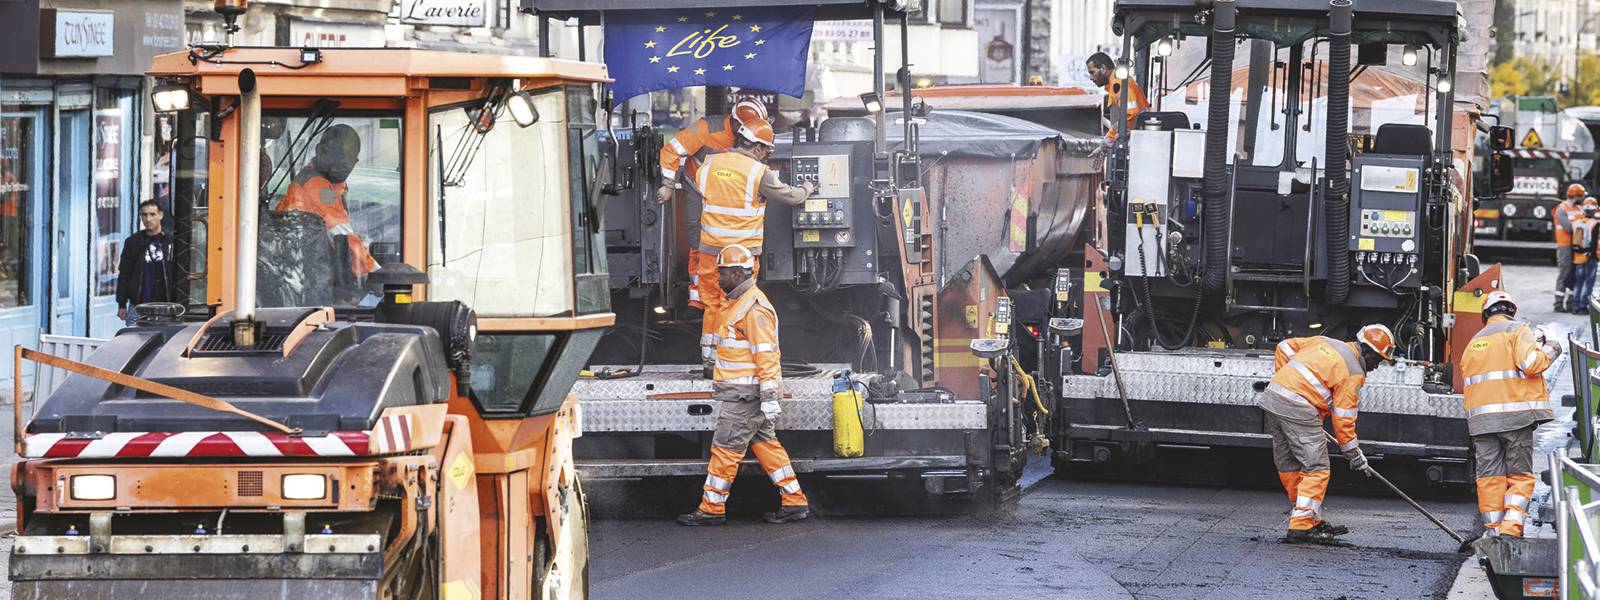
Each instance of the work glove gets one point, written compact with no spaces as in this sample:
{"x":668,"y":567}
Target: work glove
{"x":1357,"y":458}
{"x":810,"y":188}
{"x":769,"y":405}
{"x":664,"y":193}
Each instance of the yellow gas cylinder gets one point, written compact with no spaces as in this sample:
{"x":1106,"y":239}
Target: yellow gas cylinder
{"x":848,"y":438}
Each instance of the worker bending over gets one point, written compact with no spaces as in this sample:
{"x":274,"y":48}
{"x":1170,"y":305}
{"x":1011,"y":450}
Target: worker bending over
{"x":1562,"y":216}
{"x":1315,"y":377}
{"x":749,"y":382}
{"x":1503,"y":388}
{"x":734,"y":188}
{"x":1102,"y":70}
{"x":682,"y":156}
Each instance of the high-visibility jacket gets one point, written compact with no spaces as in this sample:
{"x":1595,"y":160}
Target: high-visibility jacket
{"x":747,"y":357}
{"x":312,"y":193}
{"x":732,"y":210}
{"x":1323,"y":375}
{"x":1137,"y":102}
{"x":1563,"y":216}
{"x":687,"y":150}
{"x":1502,"y":378}
{"x":1583,"y":230}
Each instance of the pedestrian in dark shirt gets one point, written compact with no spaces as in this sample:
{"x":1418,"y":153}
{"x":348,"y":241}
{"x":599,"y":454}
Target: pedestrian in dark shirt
{"x":147,"y":271}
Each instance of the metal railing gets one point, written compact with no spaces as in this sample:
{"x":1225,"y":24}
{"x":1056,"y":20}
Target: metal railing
{"x":47,"y":379}
{"x":1577,"y":501}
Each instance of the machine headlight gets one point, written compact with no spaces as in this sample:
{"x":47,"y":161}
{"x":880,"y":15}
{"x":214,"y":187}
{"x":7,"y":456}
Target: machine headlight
{"x":170,"y":98}
{"x":1539,"y":212}
{"x":94,"y":487}
{"x":520,"y":105}
{"x":1509,"y":210}
{"x":305,"y":486}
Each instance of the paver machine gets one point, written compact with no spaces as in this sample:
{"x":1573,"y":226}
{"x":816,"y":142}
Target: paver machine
{"x":338,"y":423}
{"x":1303,"y":170}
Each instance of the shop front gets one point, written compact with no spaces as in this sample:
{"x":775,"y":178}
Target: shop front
{"x":74,"y":126}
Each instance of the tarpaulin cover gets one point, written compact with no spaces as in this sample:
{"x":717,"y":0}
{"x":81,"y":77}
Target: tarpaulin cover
{"x":974,"y":134}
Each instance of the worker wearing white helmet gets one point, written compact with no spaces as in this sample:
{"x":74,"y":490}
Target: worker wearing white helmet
{"x":734,"y":188}
{"x":1318,"y":378}
{"x":1502,"y":382}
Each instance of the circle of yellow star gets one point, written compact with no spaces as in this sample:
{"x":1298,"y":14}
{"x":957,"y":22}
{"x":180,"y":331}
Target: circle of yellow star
{"x":660,"y":29}
{"x":727,"y":67}
{"x":738,"y":17}
{"x":655,"y":59}
{"x":750,"y":56}
{"x":672,"y":69}
{"x":699,"y":71}
{"x":650,"y":44}
{"x":756,"y":28}
{"x":711,"y":13}
{"x":761,"y":42}
{"x":683,"y":19}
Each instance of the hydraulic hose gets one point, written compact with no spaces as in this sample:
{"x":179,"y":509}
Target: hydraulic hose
{"x":1216,"y":159}
{"x":1337,"y":203}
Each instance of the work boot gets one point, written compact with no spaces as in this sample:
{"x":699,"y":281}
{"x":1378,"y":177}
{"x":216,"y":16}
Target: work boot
{"x":1330,"y":528}
{"x":1309,"y":536}
{"x":788,"y":514}
{"x":698,"y":518}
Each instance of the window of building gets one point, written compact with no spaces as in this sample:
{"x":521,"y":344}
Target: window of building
{"x":114,"y":172}
{"x":952,"y":12}
{"x":22,"y":184}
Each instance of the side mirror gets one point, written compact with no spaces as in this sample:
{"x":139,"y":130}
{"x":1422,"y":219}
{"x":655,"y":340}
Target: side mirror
{"x":1501,"y":174}
{"x":1501,"y":138}
{"x":990,"y":347}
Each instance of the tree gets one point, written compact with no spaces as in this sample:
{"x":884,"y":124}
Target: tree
{"x":1527,"y":77}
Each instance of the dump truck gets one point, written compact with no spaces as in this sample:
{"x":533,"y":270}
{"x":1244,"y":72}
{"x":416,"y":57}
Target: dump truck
{"x":394,"y":261}
{"x":1554,"y":148}
{"x":1309,"y":179}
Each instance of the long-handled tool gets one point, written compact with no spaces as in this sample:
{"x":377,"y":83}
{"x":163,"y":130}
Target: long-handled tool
{"x":1370,"y":472}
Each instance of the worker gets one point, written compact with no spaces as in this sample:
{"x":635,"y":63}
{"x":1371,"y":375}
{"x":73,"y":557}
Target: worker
{"x":734,"y":188}
{"x":1562,"y":217}
{"x":682,"y":156}
{"x":1504,"y":392}
{"x":1313,"y":378}
{"x":1583,"y":258}
{"x":1102,"y":71}
{"x":320,"y":189}
{"x":749,"y":383}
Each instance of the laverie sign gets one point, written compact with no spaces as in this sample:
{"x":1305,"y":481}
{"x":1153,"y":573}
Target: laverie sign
{"x":458,"y":13}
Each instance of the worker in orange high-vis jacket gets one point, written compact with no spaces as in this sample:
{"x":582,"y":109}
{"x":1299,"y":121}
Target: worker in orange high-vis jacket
{"x":1316,"y":377}
{"x":320,"y":189}
{"x":1502,"y":380}
{"x":734,"y":188}
{"x":682,"y":156}
{"x":1562,"y":217}
{"x":749,"y":384}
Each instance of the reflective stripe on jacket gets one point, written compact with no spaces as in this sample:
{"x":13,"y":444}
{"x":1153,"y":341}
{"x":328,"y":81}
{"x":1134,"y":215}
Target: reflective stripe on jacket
{"x":1562,"y":216}
{"x":733,"y":211}
{"x":687,"y":150}
{"x":747,"y":356}
{"x":1502,"y":378}
{"x":314,"y":194}
{"x":1325,"y":374}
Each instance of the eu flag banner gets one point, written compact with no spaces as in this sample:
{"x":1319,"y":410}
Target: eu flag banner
{"x":763,"y":48}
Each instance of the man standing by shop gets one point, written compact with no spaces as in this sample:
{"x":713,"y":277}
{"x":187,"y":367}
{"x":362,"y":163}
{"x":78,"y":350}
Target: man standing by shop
{"x":734,"y":188}
{"x":146,"y":271}
{"x":1315,"y":378}
{"x":749,"y":384}
{"x":1502,"y":383}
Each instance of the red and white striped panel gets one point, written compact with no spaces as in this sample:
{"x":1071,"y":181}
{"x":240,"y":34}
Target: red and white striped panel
{"x":393,"y":434}
{"x":195,"y":443}
{"x":1527,"y":153}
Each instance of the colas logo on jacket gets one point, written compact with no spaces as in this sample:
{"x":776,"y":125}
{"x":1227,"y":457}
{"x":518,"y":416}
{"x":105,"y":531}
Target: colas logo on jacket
{"x":1478,"y":346}
{"x":724,"y":173}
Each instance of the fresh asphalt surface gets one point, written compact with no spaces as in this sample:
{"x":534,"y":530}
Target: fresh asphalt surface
{"x":1065,"y":539}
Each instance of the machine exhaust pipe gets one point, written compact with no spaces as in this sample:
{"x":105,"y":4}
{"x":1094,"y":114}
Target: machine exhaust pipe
{"x":244,"y":293}
{"x":1337,"y":202}
{"x":1216,"y":160}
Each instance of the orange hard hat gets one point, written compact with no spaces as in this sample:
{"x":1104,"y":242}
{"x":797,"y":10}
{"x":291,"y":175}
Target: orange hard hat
{"x":1576,"y":190}
{"x":1379,"y":339}
{"x":736,"y":255}
{"x":750,"y":110}
{"x":1590,"y":201}
{"x":759,"y":132}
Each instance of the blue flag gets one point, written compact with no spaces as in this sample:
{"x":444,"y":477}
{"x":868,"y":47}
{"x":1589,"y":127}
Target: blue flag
{"x":762,"y":48}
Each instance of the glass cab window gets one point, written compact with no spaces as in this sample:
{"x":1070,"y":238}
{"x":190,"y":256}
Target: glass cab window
{"x":330,"y":204}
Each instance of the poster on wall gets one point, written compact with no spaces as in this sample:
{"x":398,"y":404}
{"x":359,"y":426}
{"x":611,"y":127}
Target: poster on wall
{"x":107,"y":198}
{"x":16,"y":171}
{"x":999,"y":29}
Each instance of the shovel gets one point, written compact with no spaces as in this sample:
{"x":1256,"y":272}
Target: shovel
{"x":1466,"y":546}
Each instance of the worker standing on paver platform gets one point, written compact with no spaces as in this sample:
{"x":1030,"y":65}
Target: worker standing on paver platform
{"x":1504,"y":393}
{"x":1316,"y":377}
{"x":749,"y":382}
{"x":1563,"y":215}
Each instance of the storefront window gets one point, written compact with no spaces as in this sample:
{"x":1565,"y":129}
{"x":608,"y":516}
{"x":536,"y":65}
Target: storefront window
{"x":501,"y":234}
{"x":113,"y":182}
{"x":332,"y":201}
{"x":21,"y":181}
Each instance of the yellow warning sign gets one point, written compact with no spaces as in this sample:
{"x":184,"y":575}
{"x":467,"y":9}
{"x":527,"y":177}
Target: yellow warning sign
{"x":461,"y":471}
{"x":1532,"y":140}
